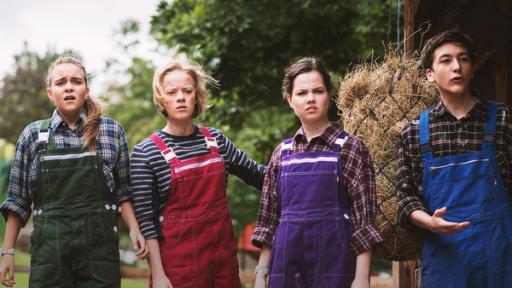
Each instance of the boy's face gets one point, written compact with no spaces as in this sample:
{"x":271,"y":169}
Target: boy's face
{"x":451,"y":69}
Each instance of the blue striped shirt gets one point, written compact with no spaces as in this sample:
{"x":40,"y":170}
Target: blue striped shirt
{"x":112,"y":149}
{"x":151,"y":175}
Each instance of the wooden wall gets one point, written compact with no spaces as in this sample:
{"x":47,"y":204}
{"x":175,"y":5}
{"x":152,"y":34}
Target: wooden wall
{"x":489,"y":23}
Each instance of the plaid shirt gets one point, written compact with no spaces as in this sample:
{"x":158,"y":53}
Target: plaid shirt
{"x":449,"y":136}
{"x":357,"y":169}
{"x":112,"y":148}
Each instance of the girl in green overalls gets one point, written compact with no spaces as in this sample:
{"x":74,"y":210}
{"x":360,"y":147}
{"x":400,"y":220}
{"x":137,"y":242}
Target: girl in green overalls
{"x":71,"y":172}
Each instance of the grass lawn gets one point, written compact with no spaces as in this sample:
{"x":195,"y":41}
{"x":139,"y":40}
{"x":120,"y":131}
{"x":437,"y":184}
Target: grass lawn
{"x":22,"y":282}
{"x":23,"y":259}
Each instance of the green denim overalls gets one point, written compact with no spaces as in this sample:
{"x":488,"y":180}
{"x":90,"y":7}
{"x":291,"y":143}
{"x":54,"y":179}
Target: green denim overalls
{"x":75,"y":241}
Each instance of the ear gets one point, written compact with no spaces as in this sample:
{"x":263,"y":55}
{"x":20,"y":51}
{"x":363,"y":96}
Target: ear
{"x":49,"y":93}
{"x":289,"y":99}
{"x":86,"y":95}
{"x":430,"y":75}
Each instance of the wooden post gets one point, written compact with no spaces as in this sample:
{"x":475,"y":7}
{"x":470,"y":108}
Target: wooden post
{"x":404,"y":274}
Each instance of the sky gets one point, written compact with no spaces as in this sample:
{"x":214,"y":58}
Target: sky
{"x":85,"y":26}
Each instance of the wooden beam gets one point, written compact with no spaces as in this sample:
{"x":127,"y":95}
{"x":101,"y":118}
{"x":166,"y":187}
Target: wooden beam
{"x":404,"y":274}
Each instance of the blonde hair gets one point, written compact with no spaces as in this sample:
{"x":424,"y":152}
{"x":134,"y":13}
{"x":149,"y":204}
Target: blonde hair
{"x":198,"y":75}
{"x":92,"y":107}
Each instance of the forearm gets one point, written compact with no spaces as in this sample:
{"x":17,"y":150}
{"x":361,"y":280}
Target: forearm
{"x":421,"y":219}
{"x":12,"y":229}
{"x":128,"y":215}
{"x":264,"y":259}
{"x":155,"y":260}
{"x":363,"y":264}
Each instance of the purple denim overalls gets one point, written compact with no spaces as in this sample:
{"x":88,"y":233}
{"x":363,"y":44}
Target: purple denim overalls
{"x":311,"y":245}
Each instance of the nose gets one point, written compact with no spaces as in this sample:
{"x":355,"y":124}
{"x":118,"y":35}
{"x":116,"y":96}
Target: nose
{"x":68,"y":86}
{"x":456,"y":65}
{"x":310,"y":97}
{"x":180,"y":96}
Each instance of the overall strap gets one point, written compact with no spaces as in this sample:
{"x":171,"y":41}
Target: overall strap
{"x":340,"y":141}
{"x":490,"y":127}
{"x":425,"y":148}
{"x":43,"y":137}
{"x":166,"y":152}
{"x":211,"y":142}
{"x":286,"y":147}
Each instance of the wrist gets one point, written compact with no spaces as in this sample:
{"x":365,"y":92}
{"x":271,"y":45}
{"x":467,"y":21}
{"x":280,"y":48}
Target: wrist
{"x":7,"y":251}
{"x":261,"y":270}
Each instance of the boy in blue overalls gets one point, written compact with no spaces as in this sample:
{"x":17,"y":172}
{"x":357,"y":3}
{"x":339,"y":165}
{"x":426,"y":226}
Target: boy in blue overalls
{"x":455,"y":174}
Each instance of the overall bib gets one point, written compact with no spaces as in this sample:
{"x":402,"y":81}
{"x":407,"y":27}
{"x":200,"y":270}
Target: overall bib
{"x":198,"y":248}
{"x":471,"y":187}
{"x":75,"y":241}
{"x":311,"y":245}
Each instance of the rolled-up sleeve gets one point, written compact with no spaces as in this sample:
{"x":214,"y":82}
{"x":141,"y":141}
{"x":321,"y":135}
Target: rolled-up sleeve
{"x":19,"y":198}
{"x":360,"y":175}
{"x":269,"y":213}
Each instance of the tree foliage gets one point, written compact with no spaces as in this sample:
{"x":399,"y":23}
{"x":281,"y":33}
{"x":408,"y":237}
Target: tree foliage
{"x":23,"y":96}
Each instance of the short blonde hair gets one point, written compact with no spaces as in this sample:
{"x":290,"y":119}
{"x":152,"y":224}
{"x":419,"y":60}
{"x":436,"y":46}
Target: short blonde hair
{"x":198,"y":75}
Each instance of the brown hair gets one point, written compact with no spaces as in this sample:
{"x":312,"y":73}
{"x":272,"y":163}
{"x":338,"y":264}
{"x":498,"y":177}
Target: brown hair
{"x":198,"y":75}
{"x":92,"y":107}
{"x":449,"y":36}
{"x":305,"y":65}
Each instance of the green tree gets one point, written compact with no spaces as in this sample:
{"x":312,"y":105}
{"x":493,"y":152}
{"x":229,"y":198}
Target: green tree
{"x":23,"y":97}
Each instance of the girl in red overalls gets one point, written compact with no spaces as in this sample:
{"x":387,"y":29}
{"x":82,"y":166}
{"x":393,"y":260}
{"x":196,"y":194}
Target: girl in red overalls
{"x":179,"y":186}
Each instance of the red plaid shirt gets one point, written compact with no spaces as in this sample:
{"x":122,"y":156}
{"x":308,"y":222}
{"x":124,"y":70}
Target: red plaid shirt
{"x":358,"y":172}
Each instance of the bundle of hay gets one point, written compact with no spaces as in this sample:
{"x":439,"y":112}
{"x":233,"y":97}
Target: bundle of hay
{"x":376,"y":101}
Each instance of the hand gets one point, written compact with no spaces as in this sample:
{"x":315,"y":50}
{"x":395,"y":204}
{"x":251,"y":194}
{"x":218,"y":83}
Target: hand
{"x":439,"y":225}
{"x":360,"y":283}
{"x":139,"y":244}
{"x":161,"y":282}
{"x":261,"y":281}
{"x":7,"y":270}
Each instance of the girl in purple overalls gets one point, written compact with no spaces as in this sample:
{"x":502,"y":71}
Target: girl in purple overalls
{"x":316,"y":220}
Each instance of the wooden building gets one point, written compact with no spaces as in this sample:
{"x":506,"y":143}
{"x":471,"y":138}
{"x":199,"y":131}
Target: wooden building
{"x":489,"y":23}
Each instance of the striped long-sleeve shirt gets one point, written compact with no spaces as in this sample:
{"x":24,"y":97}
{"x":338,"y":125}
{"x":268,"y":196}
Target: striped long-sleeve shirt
{"x":151,"y":176}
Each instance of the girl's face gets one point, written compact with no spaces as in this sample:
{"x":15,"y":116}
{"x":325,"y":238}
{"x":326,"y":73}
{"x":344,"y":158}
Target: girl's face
{"x":179,"y":96}
{"x":309,"y":98}
{"x":68,"y":89}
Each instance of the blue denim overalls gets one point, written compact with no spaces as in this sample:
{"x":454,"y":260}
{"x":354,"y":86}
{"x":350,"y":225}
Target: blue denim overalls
{"x":312,"y":241}
{"x":471,"y":187}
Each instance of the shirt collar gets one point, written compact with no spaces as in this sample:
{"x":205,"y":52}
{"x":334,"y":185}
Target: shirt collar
{"x":329,"y":135}
{"x":479,"y":110}
{"x":57,"y":120}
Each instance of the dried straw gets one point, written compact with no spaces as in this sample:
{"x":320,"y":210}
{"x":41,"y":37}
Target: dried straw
{"x":376,"y":101}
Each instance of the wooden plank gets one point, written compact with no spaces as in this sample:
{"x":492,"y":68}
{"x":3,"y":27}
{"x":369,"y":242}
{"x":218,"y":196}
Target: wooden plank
{"x":404,"y":274}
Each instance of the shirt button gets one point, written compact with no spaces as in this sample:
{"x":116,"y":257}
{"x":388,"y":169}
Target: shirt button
{"x":346,"y":216}
{"x":115,"y":229}
{"x":161,"y":218}
{"x":107,"y":206}
{"x":114,"y":207}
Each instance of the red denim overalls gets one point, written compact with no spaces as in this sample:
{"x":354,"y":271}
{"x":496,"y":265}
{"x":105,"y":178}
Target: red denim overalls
{"x":198,"y":248}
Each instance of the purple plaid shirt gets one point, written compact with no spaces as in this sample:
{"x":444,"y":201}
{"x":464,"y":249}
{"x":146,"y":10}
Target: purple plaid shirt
{"x":358,"y":172}
{"x":449,"y":136}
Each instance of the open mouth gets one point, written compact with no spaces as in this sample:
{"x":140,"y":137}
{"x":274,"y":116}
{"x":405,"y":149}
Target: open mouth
{"x":69,"y":98}
{"x":458,"y":79}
